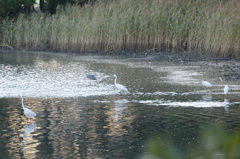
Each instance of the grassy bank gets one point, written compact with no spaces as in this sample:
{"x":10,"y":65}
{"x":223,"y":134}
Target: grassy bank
{"x":204,"y":26}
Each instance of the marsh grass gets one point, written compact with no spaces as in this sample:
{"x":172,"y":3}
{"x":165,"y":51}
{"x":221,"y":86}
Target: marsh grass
{"x":207,"y":27}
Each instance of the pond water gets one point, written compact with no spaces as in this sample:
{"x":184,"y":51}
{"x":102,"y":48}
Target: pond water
{"x":81,"y":118}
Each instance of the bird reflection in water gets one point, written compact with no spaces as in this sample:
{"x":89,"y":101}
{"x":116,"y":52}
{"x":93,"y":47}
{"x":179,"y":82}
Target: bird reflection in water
{"x":226,"y":105}
{"x":207,"y":97}
{"x":27,"y":136}
{"x":120,"y":106}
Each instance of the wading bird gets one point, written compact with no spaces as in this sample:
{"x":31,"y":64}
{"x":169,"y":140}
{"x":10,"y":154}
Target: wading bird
{"x":91,"y":77}
{"x":226,"y":88}
{"x":28,"y":113}
{"x":119,"y":86}
{"x":206,"y":84}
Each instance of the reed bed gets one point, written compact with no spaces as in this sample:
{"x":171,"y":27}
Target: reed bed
{"x":207,"y":27}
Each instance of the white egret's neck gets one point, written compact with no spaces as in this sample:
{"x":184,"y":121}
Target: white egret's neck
{"x":83,"y":71}
{"x":115,"y":81}
{"x":22,"y":103}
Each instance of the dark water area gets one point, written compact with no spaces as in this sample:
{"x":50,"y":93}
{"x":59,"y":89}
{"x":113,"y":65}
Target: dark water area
{"x":80,"y":118}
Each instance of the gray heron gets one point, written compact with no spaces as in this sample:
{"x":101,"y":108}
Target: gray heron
{"x":91,"y":77}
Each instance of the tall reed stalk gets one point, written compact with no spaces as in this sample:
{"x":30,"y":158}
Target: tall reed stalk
{"x":211,"y":27}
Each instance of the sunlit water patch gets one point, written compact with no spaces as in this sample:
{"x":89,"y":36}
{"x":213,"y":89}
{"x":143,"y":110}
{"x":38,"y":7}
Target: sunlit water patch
{"x":182,"y":75}
{"x":51,"y":79}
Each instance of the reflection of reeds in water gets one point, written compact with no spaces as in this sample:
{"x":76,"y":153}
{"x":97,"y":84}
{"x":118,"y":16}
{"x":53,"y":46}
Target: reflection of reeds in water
{"x":77,"y":129}
{"x":137,"y":25}
{"x":15,"y":130}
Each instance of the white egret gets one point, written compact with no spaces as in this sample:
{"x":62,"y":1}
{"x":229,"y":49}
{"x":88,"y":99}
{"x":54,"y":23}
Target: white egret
{"x":91,"y":77}
{"x":206,"y":84}
{"x":28,"y":113}
{"x":119,"y":86}
{"x":226,"y":88}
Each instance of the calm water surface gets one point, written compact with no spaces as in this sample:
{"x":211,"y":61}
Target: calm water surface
{"x":79,"y":118}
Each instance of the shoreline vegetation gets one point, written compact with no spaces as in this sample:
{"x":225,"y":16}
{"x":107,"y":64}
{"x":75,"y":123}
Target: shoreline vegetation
{"x":211,"y":28}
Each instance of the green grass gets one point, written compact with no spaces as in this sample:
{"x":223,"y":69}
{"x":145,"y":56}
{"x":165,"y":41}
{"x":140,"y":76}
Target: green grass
{"x":213,"y":142}
{"x":207,"y":27}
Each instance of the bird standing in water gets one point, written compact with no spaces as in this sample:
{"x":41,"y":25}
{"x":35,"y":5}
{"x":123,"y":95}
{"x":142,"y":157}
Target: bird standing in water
{"x":119,"y":86}
{"x":91,"y":77}
{"x":226,"y":89}
{"x":206,"y":84}
{"x":27,"y":112}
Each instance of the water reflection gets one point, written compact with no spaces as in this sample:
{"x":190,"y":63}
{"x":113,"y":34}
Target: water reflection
{"x":28,"y":129}
{"x":120,"y":106}
{"x":28,"y":143}
{"x":226,"y":106}
{"x":207,"y":97}
{"x":79,"y":119}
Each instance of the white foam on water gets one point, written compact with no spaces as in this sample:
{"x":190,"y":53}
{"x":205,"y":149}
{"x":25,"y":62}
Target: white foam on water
{"x":156,"y":93}
{"x":201,"y":104}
